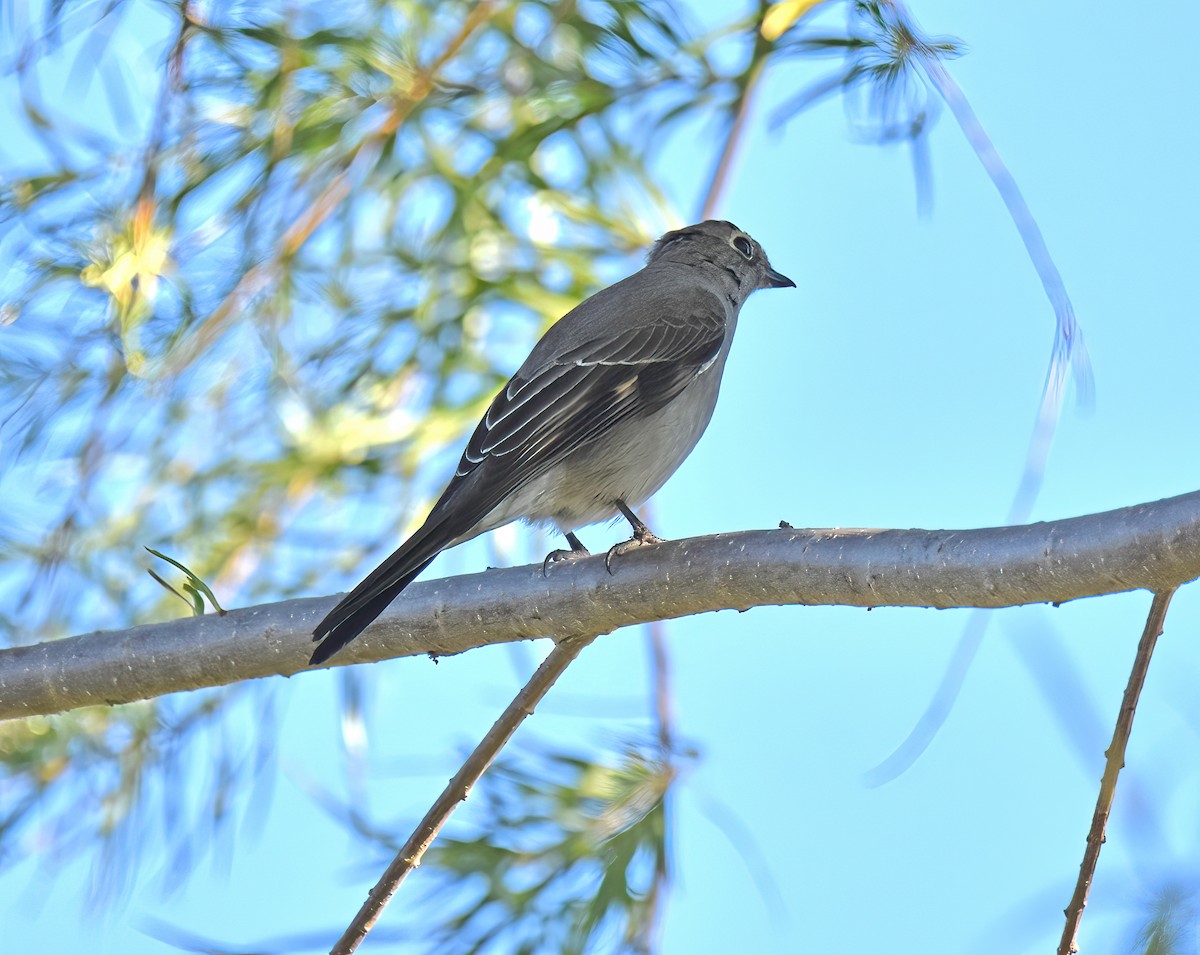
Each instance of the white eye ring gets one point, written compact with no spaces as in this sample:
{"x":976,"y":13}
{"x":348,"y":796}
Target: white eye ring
{"x":742,"y":244}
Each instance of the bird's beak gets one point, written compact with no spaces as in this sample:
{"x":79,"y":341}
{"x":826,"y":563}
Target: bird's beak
{"x":775,"y":279}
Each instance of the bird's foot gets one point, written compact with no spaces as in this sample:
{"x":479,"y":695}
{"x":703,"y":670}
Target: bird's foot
{"x":641,"y":535}
{"x":577,"y":552}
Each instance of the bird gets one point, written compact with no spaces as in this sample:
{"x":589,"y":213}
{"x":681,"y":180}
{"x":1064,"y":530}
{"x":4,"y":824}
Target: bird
{"x":610,"y":401}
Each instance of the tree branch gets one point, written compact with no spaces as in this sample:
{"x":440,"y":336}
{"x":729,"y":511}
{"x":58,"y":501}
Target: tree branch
{"x":457,"y":790}
{"x":1152,"y":546}
{"x":1114,"y":763}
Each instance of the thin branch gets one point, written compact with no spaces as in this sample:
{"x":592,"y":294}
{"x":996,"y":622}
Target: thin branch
{"x":410,"y":854}
{"x":1067,"y":351}
{"x":656,"y":897}
{"x":737,"y":123}
{"x":1147,"y":547}
{"x":172,"y":82}
{"x":939,"y":705}
{"x":660,"y":675}
{"x":1115,"y":761}
{"x":739,"y":111}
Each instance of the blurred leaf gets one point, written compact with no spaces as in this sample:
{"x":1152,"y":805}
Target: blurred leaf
{"x":781,"y":17}
{"x":882,"y":78}
{"x":195,"y":586}
{"x":353,"y":220}
{"x":567,"y":851}
{"x":1170,"y":928}
{"x":353,"y":243}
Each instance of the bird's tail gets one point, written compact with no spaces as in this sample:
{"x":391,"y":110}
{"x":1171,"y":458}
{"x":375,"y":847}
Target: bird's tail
{"x":369,"y":599}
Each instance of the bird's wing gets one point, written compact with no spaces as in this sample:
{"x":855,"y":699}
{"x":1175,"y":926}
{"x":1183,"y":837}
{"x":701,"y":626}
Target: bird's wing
{"x":542,"y":416}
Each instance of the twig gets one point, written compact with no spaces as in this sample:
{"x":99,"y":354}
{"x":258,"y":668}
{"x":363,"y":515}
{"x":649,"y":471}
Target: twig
{"x":660,"y":666}
{"x":1115,"y":760}
{"x":1068,"y":340}
{"x":716,"y":185}
{"x":410,"y":854}
{"x":1067,"y":351}
{"x":741,"y":108}
{"x":172,"y":82}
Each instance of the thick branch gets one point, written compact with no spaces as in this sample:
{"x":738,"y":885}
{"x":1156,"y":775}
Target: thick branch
{"x":1150,"y":546}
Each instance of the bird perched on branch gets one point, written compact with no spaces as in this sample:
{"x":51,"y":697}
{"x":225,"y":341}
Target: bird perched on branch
{"x":605,"y":408}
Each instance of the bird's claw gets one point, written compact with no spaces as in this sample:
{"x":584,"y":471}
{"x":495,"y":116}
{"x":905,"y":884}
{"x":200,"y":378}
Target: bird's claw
{"x":641,"y":536}
{"x":559,"y":555}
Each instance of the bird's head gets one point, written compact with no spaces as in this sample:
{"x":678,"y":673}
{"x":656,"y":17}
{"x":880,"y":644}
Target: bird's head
{"x":721,"y":246}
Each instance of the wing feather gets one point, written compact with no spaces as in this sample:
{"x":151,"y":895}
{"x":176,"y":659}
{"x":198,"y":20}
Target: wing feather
{"x":542,"y":416}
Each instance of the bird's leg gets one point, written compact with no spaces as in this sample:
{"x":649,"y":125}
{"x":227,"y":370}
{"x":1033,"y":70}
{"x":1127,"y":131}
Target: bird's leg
{"x":576,"y":552}
{"x":641,"y":535}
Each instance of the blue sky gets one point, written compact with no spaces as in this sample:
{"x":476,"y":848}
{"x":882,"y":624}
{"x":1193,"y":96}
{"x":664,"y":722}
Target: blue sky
{"x":896,"y":386}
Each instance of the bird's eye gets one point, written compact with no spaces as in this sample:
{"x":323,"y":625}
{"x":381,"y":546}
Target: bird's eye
{"x":742,"y":244}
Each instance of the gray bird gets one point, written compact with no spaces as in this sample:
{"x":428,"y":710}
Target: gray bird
{"x":605,"y":408}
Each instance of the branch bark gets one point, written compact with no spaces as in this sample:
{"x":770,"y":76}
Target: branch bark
{"x":1153,"y":546}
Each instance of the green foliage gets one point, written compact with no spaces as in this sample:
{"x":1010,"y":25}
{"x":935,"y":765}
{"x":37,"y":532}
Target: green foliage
{"x":1170,"y":923}
{"x":882,"y":79}
{"x":297,"y":284}
{"x":251,"y":294}
{"x":196,"y":589}
{"x":568,"y":850}
{"x":119,"y":781}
